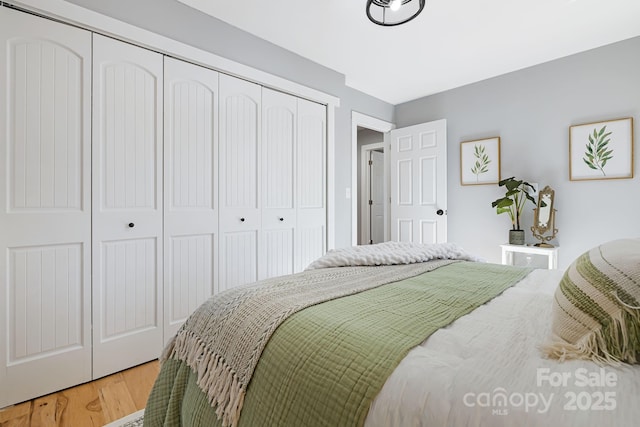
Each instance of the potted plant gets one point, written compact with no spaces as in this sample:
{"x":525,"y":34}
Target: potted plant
{"x":516,"y":196}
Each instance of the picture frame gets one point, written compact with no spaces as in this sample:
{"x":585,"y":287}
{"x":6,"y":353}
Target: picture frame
{"x":601,"y":150}
{"x":480,"y":161}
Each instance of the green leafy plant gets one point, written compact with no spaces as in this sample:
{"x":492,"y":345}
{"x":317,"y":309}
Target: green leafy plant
{"x":482,"y":161}
{"x":598,"y":152}
{"x":516,"y":195}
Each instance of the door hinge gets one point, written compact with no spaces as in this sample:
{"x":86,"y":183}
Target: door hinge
{"x":370,"y":162}
{"x":370,"y":202}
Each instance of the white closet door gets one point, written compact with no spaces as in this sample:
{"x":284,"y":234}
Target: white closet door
{"x":310,"y":239}
{"x":239,"y":171}
{"x":191,"y":189}
{"x":279,"y":112}
{"x":127,"y":205}
{"x":45,"y":206}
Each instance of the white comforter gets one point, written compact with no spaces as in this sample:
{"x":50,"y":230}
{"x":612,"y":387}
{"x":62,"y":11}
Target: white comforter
{"x":485,"y":369}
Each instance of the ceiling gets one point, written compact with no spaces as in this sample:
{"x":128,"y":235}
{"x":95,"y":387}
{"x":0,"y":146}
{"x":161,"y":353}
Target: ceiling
{"x":452,"y":43}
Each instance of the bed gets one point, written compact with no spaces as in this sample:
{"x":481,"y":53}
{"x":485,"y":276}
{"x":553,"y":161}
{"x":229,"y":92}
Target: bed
{"x":394,"y":335}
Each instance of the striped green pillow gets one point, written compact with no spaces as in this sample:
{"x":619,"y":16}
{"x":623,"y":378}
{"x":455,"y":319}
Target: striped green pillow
{"x":596,"y":309}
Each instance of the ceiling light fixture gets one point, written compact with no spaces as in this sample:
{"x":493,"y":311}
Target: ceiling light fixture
{"x":393,"y":12}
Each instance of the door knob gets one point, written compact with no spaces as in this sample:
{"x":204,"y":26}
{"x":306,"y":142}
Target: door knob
{"x":241,"y":219}
{"x":131,"y":225}
{"x":281,"y":219}
{"x":440,"y":212}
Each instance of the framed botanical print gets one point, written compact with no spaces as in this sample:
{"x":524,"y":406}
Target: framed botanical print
{"x":480,"y":161}
{"x":601,"y":150}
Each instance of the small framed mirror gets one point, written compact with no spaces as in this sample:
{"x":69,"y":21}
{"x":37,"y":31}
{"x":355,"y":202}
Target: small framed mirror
{"x":544,"y":216}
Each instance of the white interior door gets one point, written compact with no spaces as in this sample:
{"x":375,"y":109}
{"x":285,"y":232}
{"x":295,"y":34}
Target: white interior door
{"x":127,"y":205}
{"x":45,"y":206}
{"x":191,"y":187}
{"x":279,"y":113}
{"x":240,"y":108}
{"x":418,"y":168}
{"x":311,"y":200}
{"x":376,"y":197}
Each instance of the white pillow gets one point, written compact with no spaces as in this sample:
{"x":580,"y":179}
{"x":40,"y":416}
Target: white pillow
{"x":596,"y":309}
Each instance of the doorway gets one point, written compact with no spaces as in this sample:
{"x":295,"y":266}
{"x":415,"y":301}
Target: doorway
{"x":362,"y":125}
{"x":424,"y":223}
{"x":372,"y":183}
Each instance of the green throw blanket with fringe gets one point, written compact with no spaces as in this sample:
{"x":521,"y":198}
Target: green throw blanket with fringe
{"x":324,"y":365}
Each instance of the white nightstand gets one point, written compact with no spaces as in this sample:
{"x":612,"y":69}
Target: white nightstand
{"x":550,"y":253}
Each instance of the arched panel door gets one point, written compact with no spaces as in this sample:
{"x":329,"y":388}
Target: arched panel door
{"x":279,"y":112}
{"x":127,"y":205}
{"x":240,"y":220}
{"x":311,"y":203}
{"x":191,"y":189}
{"x":45,"y":206}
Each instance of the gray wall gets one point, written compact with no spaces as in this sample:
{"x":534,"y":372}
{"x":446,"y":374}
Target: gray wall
{"x":179,"y":22}
{"x":531,"y":110}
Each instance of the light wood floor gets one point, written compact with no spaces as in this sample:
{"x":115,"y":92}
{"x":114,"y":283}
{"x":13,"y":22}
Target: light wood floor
{"x":92,"y":404}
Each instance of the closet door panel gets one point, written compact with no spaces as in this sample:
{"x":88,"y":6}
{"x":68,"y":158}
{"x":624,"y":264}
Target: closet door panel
{"x":191,"y":188}
{"x":129,"y":281}
{"x":310,"y":244}
{"x":189,"y":277}
{"x":311,"y":192}
{"x":127,"y":205}
{"x":240,"y":121}
{"x":45,"y":208}
{"x":279,"y":112}
{"x":240,"y":220}
{"x":239,"y":258}
{"x":278,"y":252}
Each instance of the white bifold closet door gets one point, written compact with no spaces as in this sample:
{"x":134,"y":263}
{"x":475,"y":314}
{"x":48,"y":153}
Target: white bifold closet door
{"x":293,"y":189}
{"x":240,"y":219}
{"x":277,"y":184}
{"x":45,"y":206}
{"x":191,"y":189}
{"x":127,"y":205}
{"x":311,"y":183}
{"x":273,"y":182}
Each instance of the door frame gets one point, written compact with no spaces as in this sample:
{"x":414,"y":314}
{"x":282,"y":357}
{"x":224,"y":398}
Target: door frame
{"x":365,"y":177}
{"x":369,"y":122}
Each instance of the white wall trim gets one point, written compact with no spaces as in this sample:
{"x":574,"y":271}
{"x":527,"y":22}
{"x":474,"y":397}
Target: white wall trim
{"x":331,"y":178}
{"x":359,"y":119}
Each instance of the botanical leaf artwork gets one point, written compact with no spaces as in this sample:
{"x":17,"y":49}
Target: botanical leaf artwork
{"x":598,"y":152}
{"x":482,"y":161}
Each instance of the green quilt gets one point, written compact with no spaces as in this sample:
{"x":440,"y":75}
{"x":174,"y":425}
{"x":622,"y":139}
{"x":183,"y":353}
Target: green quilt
{"x":324,"y":365}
